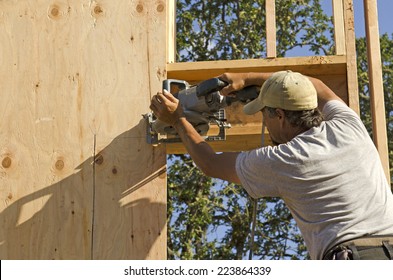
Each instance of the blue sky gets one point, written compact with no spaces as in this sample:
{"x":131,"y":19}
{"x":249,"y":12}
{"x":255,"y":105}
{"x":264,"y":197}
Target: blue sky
{"x":385,"y":22}
{"x":385,"y":9}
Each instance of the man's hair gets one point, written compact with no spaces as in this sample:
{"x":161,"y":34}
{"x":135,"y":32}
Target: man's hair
{"x":304,"y":119}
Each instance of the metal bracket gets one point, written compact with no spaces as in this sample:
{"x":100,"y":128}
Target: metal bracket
{"x":151,"y":135}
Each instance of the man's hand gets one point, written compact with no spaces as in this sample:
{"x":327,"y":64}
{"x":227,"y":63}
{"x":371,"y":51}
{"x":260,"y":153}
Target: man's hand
{"x":166,"y":107}
{"x":236,"y":81}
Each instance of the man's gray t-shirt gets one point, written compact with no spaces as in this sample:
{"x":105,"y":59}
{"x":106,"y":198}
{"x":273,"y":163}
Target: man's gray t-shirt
{"x":330,"y":177}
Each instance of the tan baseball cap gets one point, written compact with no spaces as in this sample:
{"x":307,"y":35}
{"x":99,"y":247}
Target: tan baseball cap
{"x":286,"y":90}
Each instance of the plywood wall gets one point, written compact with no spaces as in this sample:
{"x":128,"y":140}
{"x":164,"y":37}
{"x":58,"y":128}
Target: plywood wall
{"x":77,"y":179}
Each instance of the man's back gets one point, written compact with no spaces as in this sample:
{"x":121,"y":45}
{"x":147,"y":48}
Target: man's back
{"x":330,"y":177}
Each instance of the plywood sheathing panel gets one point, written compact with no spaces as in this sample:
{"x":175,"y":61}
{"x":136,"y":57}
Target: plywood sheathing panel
{"x":45,"y":134}
{"x":130,"y":192}
{"x":75,"y":78}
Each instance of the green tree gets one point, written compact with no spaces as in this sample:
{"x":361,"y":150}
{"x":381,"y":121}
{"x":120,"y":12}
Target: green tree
{"x":233,"y":29}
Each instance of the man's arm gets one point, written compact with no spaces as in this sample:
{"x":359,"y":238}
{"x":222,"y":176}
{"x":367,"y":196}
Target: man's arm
{"x":324,"y":93}
{"x":238,"y":81}
{"x":166,"y":107}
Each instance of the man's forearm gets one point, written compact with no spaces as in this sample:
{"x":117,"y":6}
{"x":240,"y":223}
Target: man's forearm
{"x":256,"y":78}
{"x":238,"y":81}
{"x":222,"y":165}
{"x":196,"y":146}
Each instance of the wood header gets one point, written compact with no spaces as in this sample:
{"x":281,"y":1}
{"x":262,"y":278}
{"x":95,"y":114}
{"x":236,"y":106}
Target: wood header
{"x":310,"y":65}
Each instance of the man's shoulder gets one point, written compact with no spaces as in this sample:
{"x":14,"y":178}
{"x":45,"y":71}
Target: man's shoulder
{"x":336,"y":108}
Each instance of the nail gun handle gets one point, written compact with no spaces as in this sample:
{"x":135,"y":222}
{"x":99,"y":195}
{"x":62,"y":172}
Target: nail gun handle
{"x":210,"y":86}
{"x":174,"y":86}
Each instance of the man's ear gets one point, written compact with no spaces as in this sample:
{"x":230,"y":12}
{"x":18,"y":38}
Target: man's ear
{"x":280,"y":113}
{"x":281,"y":116}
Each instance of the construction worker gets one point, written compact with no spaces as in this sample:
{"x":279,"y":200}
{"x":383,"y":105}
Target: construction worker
{"x":323,"y":165}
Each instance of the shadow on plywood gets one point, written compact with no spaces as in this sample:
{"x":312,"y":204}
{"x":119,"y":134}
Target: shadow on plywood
{"x":112,"y":207}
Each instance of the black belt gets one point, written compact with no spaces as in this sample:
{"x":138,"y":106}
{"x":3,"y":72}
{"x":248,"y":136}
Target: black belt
{"x":370,"y":247}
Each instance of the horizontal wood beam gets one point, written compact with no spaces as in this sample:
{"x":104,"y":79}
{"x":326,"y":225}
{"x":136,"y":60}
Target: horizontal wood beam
{"x":233,"y":143}
{"x":310,"y":65}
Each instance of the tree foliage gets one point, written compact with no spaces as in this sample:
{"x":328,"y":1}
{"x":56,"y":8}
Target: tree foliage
{"x":233,"y":29}
{"x":209,"y":218}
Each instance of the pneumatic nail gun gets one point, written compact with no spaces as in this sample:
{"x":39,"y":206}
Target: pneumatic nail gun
{"x":203,"y":106}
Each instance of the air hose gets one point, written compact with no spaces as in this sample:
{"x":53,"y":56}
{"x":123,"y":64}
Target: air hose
{"x":255,"y":206}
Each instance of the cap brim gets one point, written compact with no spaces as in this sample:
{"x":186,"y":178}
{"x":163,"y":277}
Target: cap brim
{"x":253,"y":107}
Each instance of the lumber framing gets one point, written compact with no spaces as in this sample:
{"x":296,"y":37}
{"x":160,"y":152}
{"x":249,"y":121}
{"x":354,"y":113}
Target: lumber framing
{"x":339,"y":27}
{"x":270,"y":14}
{"x":350,"y":49}
{"x":376,"y":83}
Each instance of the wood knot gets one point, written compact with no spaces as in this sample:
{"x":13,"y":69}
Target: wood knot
{"x":139,"y":8}
{"x":6,"y":163}
{"x":98,"y":10}
{"x":99,"y":159}
{"x":114,"y":170}
{"x":59,"y":164}
{"x":160,"y":7}
{"x":54,"y":12}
